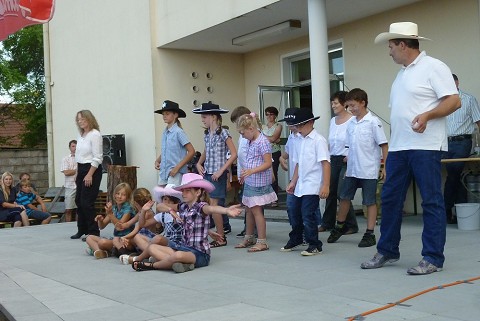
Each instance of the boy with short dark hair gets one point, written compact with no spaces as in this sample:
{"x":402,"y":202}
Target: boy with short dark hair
{"x":26,"y":197}
{"x":310,"y":182}
{"x":365,"y":140}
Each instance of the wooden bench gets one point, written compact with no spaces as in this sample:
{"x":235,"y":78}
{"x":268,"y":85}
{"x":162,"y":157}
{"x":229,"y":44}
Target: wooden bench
{"x":100,"y":203}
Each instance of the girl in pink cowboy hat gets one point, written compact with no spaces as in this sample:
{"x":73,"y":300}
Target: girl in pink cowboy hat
{"x":194,"y":213}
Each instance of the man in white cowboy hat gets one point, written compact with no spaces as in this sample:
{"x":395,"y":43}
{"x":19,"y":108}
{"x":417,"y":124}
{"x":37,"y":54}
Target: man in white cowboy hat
{"x":422,"y":95}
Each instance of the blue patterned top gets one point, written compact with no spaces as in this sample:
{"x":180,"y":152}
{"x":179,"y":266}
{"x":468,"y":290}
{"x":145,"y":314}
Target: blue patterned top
{"x":119,"y":213}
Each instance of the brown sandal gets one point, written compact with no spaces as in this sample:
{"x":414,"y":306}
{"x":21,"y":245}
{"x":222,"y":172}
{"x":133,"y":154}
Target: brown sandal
{"x":260,"y":246}
{"x":215,"y":243}
{"x":248,"y":241}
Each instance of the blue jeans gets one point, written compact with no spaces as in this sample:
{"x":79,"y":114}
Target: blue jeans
{"x":454,"y":191}
{"x":303,"y":218}
{"x":425,"y":167}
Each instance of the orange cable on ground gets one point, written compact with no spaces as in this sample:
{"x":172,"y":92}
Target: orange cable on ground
{"x":387,"y":306}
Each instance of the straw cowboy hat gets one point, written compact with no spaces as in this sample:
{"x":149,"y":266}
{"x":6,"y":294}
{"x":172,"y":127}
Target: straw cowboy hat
{"x":169,"y":105}
{"x":209,"y":108}
{"x":400,"y":30}
{"x":302,"y":115}
{"x":159,"y":192}
{"x":192,"y":180}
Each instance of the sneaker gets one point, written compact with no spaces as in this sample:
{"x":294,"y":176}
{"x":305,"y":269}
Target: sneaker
{"x":423,"y":267}
{"x":312,"y":250}
{"x":100,"y":254}
{"x":241,"y":235}
{"x":368,"y":240}
{"x":336,"y":233}
{"x":289,"y":247}
{"x":182,"y":267}
{"x":227,"y":230}
{"x":377,"y":261}
{"x":89,"y":251}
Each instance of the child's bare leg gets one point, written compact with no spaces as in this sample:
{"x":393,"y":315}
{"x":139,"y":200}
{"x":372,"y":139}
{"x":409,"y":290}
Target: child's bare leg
{"x":24,"y":217}
{"x":140,"y":241}
{"x":159,"y":252}
{"x":92,"y":242}
{"x":176,"y":257}
{"x":249,"y":221}
{"x":218,"y":220}
{"x":159,"y":240}
{"x":104,"y":244}
{"x":343,"y":209}
{"x":371,"y":216}
{"x":47,"y":220}
{"x":17,"y":224}
{"x":259,"y":222}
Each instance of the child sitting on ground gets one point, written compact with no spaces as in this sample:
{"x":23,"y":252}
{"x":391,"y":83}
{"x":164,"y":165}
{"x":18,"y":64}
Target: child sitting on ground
{"x":120,"y":213}
{"x":26,"y":197}
{"x":172,"y":230}
{"x":194,"y":214}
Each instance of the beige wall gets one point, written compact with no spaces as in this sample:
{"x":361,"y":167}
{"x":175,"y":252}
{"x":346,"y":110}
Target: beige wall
{"x":180,"y":18}
{"x":101,"y":60}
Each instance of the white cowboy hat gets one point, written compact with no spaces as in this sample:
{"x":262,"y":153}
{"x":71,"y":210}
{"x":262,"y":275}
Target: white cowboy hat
{"x":159,"y":192}
{"x":400,"y":30}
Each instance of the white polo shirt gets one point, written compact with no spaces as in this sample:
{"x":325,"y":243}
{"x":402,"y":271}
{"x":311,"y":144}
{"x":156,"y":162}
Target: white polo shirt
{"x":418,"y":88}
{"x":363,"y":141}
{"x":293,"y":142}
{"x":312,"y":151}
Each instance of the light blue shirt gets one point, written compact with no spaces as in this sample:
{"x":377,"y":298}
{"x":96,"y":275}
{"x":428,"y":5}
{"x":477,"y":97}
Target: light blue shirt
{"x":174,"y":140}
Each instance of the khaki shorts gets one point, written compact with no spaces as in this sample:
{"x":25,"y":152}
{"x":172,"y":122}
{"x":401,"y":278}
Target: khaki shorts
{"x":70,"y":198}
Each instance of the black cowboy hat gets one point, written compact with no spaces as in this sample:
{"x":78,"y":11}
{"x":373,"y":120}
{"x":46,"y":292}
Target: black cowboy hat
{"x":209,"y":108}
{"x":289,"y":115}
{"x":302,"y":115}
{"x":169,"y":105}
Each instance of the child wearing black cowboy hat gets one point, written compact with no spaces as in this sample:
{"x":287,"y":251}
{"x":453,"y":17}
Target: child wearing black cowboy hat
{"x":176,"y":149}
{"x":213,"y":163}
{"x":310,"y":182}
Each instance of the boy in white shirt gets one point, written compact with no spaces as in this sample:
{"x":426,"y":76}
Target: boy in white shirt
{"x":365,"y":139}
{"x":310,"y":182}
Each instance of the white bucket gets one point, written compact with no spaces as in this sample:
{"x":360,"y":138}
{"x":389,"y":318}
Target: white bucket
{"x":468,"y":216}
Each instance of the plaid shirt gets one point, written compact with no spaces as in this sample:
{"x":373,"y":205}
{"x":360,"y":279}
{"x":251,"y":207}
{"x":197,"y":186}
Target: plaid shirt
{"x":125,"y":209}
{"x":172,"y":230}
{"x":254,"y":158}
{"x":215,"y":151}
{"x":195,"y":225}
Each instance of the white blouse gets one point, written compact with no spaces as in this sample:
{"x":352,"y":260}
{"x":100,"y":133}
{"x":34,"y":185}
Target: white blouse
{"x":90,"y":149}
{"x":337,"y":136}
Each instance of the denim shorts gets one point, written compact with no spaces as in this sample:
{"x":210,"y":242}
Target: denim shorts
{"x":201,"y":259}
{"x":220,"y":186}
{"x":38,"y":215}
{"x":368,"y":186}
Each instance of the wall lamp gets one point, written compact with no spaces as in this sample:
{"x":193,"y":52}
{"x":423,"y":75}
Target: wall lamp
{"x":267,"y":32}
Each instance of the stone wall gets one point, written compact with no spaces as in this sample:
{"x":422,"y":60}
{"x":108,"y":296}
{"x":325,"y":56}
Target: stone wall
{"x":32,"y":161}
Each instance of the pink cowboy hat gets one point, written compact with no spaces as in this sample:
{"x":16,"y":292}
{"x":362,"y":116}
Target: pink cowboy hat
{"x":159,"y":192}
{"x":190,"y":180}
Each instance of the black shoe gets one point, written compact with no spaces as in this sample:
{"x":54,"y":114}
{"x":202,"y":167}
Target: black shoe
{"x":312,"y":250}
{"x":289,"y":247}
{"x":76,"y":236}
{"x":241,"y":234}
{"x":336,"y":233}
{"x":368,"y":240}
{"x":227,"y":230}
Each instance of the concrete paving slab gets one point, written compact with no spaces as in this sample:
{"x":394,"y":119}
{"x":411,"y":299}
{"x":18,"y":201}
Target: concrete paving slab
{"x":44,"y":275}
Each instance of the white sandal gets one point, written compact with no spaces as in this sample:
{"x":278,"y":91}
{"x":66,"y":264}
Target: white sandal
{"x":124,"y":259}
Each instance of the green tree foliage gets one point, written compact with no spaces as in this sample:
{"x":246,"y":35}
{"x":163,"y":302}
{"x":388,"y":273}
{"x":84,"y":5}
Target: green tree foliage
{"x":22,"y":78}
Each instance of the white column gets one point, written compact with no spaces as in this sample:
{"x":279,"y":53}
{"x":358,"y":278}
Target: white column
{"x":317,"y":24}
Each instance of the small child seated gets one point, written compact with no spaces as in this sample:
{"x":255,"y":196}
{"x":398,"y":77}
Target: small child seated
{"x":26,"y":197}
{"x":172,"y":230}
{"x":121,"y":212}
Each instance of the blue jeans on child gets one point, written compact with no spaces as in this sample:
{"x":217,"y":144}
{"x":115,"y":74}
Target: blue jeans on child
{"x":425,"y":167}
{"x":302,"y":213}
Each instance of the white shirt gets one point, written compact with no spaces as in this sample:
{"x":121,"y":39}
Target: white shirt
{"x":462,"y":121}
{"x":68,"y":163}
{"x":241,"y":154}
{"x":363,"y":140}
{"x":293,"y":142}
{"x":418,"y":88}
{"x":90,"y":148}
{"x":337,"y":135}
{"x":312,"y":151}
